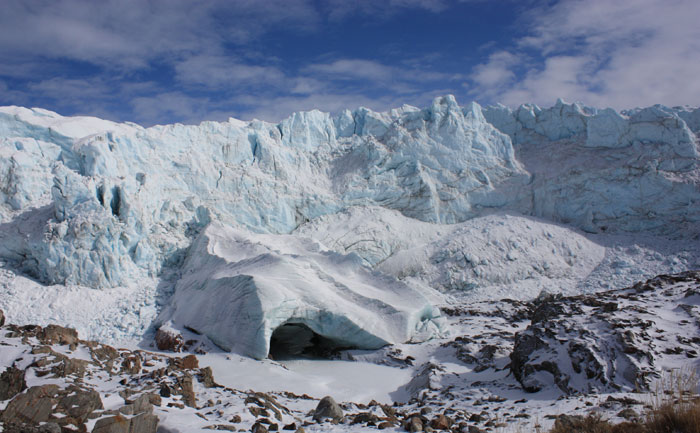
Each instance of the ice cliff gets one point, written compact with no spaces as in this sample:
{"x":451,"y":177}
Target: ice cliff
{"x":94,"y":203}
{"x":238,"y":288}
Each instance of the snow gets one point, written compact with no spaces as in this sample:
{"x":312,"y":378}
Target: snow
{"x":238,"y":288}
{"x":359,"y":382}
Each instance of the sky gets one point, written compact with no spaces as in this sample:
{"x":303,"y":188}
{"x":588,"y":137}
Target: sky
{"x":165,"y":61}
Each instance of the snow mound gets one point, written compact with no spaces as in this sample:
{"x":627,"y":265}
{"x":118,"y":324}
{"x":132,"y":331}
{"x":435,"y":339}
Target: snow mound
{"x":498,"y":255}
{"x":238,"y":288}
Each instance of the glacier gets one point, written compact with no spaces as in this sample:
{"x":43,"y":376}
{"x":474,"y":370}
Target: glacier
{"x":238,"y":288}
{"x":447,"y":199}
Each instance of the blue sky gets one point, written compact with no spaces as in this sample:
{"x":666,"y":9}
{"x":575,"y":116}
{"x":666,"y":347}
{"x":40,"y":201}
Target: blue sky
{"x":164,"y":61}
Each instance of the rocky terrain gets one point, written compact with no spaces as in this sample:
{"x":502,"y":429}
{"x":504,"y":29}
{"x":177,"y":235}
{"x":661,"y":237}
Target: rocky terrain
{"x":507,"y":365}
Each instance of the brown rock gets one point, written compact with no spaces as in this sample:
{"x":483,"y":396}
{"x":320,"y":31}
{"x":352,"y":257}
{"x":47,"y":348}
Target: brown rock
{"x":49,"y":427}
{"x":102,"y":352}
{"x":79,"y":404}
{"x":441,"y":422}
{"x":112,"y":424}
{"x":169,"y":340}
{"x":386,"y":425}
{"x":142,"y":404}
{"x":365,"y":418}
{"x":188,"y":396}
{"x":2,"y":318}
{"x":206,"y":378}
{"x":33,"y":406}
{"x":131,"y":365}
{"x":415,"y":425}
{"x":70,"y":366}
{"x":144,"y":423}
{"x":54,"y":334}
{"x":258,"y":428}
{"x":11,"y":383}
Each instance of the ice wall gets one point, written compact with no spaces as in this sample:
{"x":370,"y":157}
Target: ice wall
{"x":110,"y":203}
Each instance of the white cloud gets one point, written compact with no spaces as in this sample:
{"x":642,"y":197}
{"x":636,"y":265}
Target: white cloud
{"x":497,"y":73}
{"x":353,"y":69}
{"x":131,"y":34}
{"x":340,"y":9}
{"x":621,"y":54}
{"x":222,"y":71}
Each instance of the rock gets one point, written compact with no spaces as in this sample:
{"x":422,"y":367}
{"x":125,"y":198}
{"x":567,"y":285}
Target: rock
{"x":70,"y":366}
{"x":79,"y":403}
{"x":54,"y":334}
{"x":144,"y":423}
{"x":476,"y":417}
{"x":112,"y":424}
{"x":385,"y":425}
{"x":188,"y":362}
{"x":292,"y":426}
{"x":328,"y":409}
{"x":225,"y":427}
{"x":206,"y":378}
{"x":141,"y":404}
{"x":441,"y":422}
{"x":415,"y":425}
{"x":2,"y":318}
{"x":365,"y":418}
{"x":131,"y":365}
{"x":258,"y":428}
{"x":169,"y":339}
{"x":164,"y":390}
{"x":12,"y":382}
{"x":628,"y":414}
{"x":34,"y":406}
{"x":49,"y":427}
{"x":187,"y":391}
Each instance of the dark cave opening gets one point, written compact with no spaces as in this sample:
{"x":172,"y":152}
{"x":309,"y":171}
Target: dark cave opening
{"x":296,"y":340}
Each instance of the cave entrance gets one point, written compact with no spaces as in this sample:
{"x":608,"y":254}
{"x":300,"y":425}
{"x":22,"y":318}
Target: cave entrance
{"x":296,"y":340}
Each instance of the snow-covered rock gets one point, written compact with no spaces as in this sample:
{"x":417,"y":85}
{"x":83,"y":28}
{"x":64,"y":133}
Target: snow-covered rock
{"x":238,"y":288}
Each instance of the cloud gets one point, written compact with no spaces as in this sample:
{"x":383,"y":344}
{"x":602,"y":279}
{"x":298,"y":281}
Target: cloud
{"x":353,"y":69}
{"x":131,"y":33}
{"x":497,"y":73}
{"x":225,"y":71}
{"x":341,"y":9}
{"x":621,"y":54}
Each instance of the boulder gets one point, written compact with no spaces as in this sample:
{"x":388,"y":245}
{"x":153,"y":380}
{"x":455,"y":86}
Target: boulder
{"x":206,"y":378}
{"x":49,"y":427}
{"x":441,"y":422}
{"x":79,"y":403}
{"x":168,"y":339}
{"x":54,"y":334}
{"x":2,"y":318}
{"x":112,"y":424}
{"x":328,"y":409}
{"x":11,"y":383}
{"x":32,"y":407}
